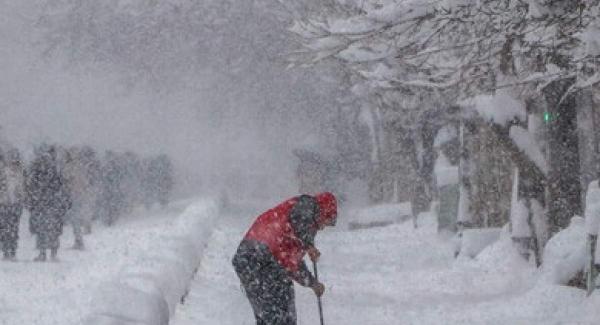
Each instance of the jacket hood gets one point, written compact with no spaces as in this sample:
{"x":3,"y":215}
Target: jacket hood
{"x":327,"y":208}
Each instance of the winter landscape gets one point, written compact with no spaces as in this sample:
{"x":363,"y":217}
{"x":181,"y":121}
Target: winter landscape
{"x":299,"y":162}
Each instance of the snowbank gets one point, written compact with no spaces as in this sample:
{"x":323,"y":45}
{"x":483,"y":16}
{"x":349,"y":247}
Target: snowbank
{"x":379,"y":215}
{"x":476,"y":240}
{"x":502,"y":255}
{"x":565,"y":254}
{"x":148,"y":289}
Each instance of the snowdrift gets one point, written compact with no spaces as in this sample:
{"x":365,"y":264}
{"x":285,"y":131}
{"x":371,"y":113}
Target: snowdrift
{"x":474,"y":241}
{"x":565,"y":254}
{"x":379,"y":215}
{"x":148,"y":289}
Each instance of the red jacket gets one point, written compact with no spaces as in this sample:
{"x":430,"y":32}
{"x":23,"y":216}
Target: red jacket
{"x":275,"y":229}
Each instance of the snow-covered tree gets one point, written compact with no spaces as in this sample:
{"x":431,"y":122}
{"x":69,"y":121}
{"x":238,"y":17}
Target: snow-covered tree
{"x":458,"y":49}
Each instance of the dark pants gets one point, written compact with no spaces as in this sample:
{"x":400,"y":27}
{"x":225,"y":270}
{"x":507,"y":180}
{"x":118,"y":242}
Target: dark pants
{"x":9,"y":228}
{"x":47,"y":226}
{"x":267,"y":285}
{"x":47,"y":241}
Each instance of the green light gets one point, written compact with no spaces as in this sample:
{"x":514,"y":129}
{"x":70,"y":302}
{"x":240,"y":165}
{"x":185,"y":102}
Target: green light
{"x":546,"y":117}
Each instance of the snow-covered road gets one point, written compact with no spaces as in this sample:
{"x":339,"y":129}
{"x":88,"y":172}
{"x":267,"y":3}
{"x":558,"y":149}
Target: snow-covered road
{"x":391,"y":275}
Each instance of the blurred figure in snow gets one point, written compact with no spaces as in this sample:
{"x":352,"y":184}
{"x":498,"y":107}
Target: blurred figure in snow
{"x":11,"y":201}
{"x":131,"y":180}
{"x":91,"y":166}
{"x":112,"y":193}
{"x":271,"y":255}
{"x":158,"y":181}
{"x":47,"y":200}
{"x":81,"y":193}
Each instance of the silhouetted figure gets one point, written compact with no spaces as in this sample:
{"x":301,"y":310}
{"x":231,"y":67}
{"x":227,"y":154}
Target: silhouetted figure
{"x":158,"y":181}
{"x":11,"y":201}
{"x":81,"y":194}
{"x":112,"y":193}
{"x":92,"y":166}
{"x":48,"y":201}
{"x":271,"y":255}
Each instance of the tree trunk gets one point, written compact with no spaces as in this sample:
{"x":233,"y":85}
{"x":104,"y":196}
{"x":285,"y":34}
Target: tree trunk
{"x":595,"y":135}
{"x":465,"y":217}
{"x":428,"y":132}
{"x":564,"y":176}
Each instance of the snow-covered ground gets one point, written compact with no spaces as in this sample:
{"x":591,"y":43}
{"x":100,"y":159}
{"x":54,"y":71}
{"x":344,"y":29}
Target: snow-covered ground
{"x":394,"y":275}
{"x":62,"y":292}
{"x":385,"y":275}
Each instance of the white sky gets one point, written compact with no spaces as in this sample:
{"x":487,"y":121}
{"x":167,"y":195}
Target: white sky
{"x":205,"y":128}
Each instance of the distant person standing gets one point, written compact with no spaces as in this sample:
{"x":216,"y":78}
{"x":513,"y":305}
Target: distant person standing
{"x":48,"y":201}
{"x":92,"y":167}
{"x":158,"y":181}
{"x":80,"y":192}
{"x":11,"y":201}
{"x":113,"y":196}
{"x":271,"y":255}
{"x":93,"y":171}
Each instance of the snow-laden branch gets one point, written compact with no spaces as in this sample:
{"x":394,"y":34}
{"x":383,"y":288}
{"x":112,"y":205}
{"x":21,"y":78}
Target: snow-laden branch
{"x":479,"y":37}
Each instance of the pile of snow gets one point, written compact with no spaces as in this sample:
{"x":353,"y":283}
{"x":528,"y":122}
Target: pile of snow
{"x":565,"y":253}
{"x":499,"y":108}
{"x":379,"y":215}
{"x":148,"y":289}
{"x":474,"y":241}
{"x":502,"y":255}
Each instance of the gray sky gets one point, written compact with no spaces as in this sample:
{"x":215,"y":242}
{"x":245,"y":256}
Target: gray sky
{"x":231,"y":118}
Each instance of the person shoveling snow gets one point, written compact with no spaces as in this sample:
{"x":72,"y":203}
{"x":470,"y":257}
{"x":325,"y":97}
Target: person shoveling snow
{"x":271,"y":255}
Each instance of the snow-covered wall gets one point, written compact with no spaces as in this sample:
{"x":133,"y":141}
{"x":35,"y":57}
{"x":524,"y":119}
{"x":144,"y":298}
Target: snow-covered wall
{"x":148,"y":289}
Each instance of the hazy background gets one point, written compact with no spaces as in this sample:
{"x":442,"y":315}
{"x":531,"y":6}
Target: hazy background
{"x":205,"y":82}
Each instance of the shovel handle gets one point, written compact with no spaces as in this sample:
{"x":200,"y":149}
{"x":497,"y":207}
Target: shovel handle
{"x":318,"y":297}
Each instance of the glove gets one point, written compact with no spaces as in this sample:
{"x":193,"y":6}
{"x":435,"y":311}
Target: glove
{"x":314,"y":254}
{"x":319,"y":289}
